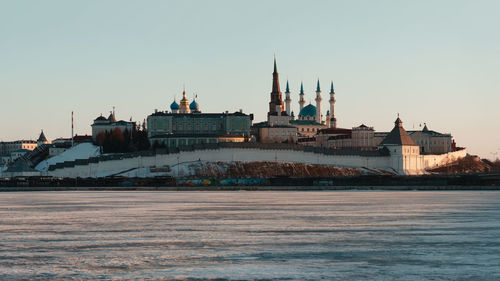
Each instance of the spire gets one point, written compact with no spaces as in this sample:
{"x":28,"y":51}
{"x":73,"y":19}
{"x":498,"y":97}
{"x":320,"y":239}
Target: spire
{"x":317,"y":87}
{"x":331,"y":89}
{"x":42,"y":137}
{"x":287,"y":87}
{"x":276,"y":82}
{"x":275,"y":68}
{"x":398,"y":122}
{"x":276,"y":106}
{"x":301,"y":88}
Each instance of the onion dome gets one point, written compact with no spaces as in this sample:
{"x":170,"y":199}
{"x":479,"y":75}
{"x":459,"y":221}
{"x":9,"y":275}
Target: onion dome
{"x":309,"y":110}
{"x":174,"y":106}
{"x":194,"y":106}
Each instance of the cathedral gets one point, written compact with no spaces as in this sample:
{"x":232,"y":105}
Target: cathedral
{"x":281,"y":125}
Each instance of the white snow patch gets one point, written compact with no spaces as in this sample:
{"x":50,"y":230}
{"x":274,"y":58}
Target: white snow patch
{"x":80,"y":151}
{"x":184,"y":169}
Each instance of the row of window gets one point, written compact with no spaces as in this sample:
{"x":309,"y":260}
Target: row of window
{"x":432,"y":142}
{"x":307,"y":129}
{"x":198,"y":127}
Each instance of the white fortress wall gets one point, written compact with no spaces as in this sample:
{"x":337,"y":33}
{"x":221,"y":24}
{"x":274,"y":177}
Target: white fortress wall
{"x":223,"y":155}
{"x":434,"y":161}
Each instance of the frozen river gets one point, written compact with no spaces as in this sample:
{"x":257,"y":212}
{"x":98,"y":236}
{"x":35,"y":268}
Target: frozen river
{"x":250,"y":235}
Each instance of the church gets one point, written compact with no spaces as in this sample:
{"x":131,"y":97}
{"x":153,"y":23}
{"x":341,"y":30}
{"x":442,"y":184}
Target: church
{"x":281,"y":125}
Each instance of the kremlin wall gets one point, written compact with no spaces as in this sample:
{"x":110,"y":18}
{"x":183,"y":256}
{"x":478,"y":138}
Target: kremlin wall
{"x":397,"y":163}
{"x":187,"y":135}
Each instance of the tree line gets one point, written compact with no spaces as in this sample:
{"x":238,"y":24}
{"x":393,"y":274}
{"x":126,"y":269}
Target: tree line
{"x":118,"y":141}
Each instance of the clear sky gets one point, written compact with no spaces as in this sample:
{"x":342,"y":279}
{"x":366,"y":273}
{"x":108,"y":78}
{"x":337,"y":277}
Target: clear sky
{"x":431,"y":61}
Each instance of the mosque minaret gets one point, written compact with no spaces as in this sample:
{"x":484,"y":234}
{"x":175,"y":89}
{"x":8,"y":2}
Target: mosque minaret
{"x":332,"y":121}
{"x":318,"y":103}
{"x":287,"y":99}
{"x":301,"y":99}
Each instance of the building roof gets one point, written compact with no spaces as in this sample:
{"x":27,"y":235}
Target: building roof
{"x":266,"y":125}
{"x":101,"y":118}
{"x":196,"y":135}
{"x":305,"y":122}
{"x":432,"y":133}
{"x":398,"y":136}
{"x":309,"y":110}
{"x":112,"y":117}
{"x":363,"y":127}
{"x":116,"y":123}
{"x":82,"y":138}
{"x":42,"y":137}
{"x":201,"y":115}
{"x":335,"y":131}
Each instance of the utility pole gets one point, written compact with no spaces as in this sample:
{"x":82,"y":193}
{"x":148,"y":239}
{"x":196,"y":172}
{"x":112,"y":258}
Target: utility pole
{"x":72,"y":130}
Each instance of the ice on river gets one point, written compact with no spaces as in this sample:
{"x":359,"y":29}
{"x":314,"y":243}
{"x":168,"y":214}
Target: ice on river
{"x":250,"y":235}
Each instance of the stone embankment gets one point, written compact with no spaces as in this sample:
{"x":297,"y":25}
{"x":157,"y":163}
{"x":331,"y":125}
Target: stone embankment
{"x":266,"y":169}
{"x":487,"y":181}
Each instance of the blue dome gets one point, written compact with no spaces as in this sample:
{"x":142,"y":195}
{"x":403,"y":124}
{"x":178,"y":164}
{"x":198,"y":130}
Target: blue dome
{"x":174,"y":106}
{"x":309,"y":110}
{"x":193,"y":105}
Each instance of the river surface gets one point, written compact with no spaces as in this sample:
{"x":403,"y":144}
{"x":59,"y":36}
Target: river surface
{"x":242,"y":235}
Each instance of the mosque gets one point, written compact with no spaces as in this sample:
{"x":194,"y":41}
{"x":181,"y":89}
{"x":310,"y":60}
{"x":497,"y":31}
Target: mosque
{"x":312,"y":129}
{"x":281,"y":125}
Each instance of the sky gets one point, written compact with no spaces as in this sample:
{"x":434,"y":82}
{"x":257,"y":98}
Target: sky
{"x":430,"y":61}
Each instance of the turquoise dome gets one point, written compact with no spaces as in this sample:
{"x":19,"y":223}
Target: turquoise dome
{"x":309,"y":110}
{"x":174,"y":106}
{"x":193,"y":106}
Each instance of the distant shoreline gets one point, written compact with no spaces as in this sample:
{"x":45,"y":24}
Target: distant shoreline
{"x":258,"y":188}
{"x":485,"y":181}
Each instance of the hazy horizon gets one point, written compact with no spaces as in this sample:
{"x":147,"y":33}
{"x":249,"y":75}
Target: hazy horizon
{"x":431,"y":62}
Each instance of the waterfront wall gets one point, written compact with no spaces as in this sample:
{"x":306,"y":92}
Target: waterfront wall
{"x":434,"y":161}
{"x":109,"y":167}
{"x":399,"y":161}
